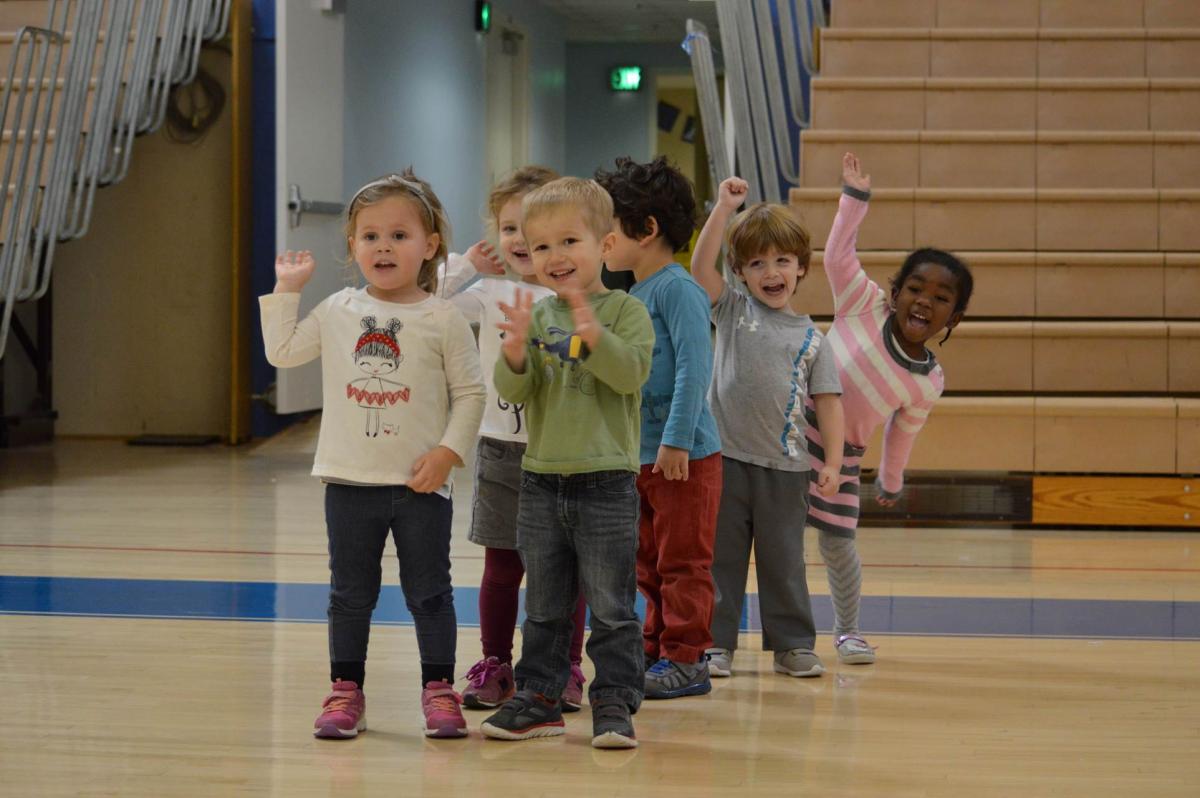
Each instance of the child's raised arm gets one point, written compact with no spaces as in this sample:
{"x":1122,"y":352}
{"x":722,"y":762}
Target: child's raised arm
{"x":853,"y":291}
{"x":730,"y":195}
{"x":288,"y":341}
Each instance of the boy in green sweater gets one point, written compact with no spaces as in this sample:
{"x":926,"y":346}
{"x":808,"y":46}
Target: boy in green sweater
{"x":577,"y":361}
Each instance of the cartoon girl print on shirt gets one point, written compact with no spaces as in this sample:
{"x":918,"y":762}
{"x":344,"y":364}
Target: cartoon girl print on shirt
{"x":377,"y":353}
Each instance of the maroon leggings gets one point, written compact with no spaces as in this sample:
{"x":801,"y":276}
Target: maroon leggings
{"x":499,"y":593}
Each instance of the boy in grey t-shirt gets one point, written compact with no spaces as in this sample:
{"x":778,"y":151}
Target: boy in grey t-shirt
{"x":770,"y":363}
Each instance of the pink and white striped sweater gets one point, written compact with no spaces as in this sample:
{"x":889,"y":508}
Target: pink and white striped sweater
{"x":879,"y":384}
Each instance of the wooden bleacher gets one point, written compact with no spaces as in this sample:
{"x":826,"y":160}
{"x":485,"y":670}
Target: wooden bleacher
{"x":1055,"y":145}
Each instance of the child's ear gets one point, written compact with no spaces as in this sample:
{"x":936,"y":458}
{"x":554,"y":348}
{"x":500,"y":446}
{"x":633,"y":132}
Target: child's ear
{"x":954,"y":320}
{"x":431,"y":245}
{"x":653,"y":231}
{"x":607,"y":243}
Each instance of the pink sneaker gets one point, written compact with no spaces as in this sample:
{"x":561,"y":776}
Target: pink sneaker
{"x":343,"y":713}
{"x":443,"y":715}
{"x":572,"y":697}
{"x":491,"y":684}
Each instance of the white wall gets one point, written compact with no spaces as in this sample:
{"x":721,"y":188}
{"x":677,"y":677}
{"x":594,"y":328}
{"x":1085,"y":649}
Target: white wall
{"x":415,"y":96}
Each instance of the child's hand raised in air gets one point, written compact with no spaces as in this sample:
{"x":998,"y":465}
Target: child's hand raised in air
{"x":293,"y":270}
{"x":852,"y":174}
{"x":516,"y":328}
{"x":827,"y":481}
{"x":732,"y":193}
{"x":483,"y":257}
{"x":586,"y":326}
{"x":431,"y":469}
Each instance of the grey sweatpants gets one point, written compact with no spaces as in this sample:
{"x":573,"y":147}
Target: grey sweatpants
{"x":765,"y":507}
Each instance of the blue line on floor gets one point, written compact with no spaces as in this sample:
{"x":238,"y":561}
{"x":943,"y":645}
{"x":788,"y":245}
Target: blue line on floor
{"x":908,"y":615}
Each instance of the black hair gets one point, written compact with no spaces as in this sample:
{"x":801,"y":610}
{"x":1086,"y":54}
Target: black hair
{"x":962,"y":275}
{"x":656,"y":189}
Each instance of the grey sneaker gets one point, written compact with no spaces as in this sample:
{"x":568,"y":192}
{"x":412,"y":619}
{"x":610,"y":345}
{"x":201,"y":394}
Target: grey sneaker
{"x":720,"y":662}
{"x":526,"y":715}
{"x":612,"y":726}
{"x":853,"y":650}
{"x":670,"y":679}
{"x":800,"y":662}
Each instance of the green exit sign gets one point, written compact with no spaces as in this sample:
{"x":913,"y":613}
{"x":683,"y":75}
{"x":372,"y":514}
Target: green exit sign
{"x":483,"y":16}
{"x":625,"y":78}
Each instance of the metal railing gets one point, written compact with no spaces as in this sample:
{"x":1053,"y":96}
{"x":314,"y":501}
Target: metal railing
{"x":767,"y":49}
{"x":70,"y":121}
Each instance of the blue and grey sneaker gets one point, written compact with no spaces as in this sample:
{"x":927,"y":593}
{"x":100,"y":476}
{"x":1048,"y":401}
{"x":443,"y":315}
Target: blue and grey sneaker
{"x":670,"y":679}
{"x":524,"y":716}
{"x":612,"y":725}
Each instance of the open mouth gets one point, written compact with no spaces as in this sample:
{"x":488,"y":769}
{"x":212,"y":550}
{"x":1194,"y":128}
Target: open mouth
{"x":562,"y":274}
{"x":918,"y":322}
{"x":775,"y":290}
{"x":385,"y":264}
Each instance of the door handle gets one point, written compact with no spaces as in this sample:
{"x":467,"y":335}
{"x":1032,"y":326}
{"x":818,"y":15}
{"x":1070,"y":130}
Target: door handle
{"x":298,"y":206}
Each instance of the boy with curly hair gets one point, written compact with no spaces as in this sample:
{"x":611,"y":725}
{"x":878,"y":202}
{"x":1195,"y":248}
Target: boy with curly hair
{"x":654,"y":216}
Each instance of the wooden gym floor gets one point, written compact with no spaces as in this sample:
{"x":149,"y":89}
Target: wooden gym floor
{"x":162,"y":633}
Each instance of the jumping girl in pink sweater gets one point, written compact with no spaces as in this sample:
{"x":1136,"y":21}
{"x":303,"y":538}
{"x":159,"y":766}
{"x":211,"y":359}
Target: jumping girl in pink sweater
{"x":888,"y":377}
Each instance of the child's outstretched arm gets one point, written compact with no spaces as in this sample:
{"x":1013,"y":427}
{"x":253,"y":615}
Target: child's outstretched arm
{"x":512,"y":375}
{"x":458,"y":272}
{"x":853,"y":291}
{"x":619,"y":357}
{"x":730,"y":195}
{"x":287,"y":341}
{"x":899,"y":435}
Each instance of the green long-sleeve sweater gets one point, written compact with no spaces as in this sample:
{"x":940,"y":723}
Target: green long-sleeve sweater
{"x":583,"y":407}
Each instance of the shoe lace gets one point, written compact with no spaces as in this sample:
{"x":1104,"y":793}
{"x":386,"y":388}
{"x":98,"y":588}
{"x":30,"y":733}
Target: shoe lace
{"x":338,"y":701}
{"x":444,"y":702}
{"x":663,"y":666}
{"x":858,"y":640}
{"x":481,"y":671}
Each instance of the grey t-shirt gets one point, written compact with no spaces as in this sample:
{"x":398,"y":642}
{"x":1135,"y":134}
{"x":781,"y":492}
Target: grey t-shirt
{"x":767,"y":362}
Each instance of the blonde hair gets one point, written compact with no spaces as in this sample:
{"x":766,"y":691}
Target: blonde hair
{"x":518,"y":184}
{"x":585,"y":196}
{"x":429,"y":207}
{"x":764,"y":226}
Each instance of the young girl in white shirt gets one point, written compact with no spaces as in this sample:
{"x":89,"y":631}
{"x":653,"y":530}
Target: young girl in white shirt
{"x":403,"y":398}
{"x":502,"y":444}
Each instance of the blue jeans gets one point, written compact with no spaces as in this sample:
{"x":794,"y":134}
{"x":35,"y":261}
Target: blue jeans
{"x":358,"y":519}
{"x":579,"y":531}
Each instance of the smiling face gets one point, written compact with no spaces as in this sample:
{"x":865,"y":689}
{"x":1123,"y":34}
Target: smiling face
{"x":376,"y":365}
{"x":925,"y":303}
{"x":512,"y":243}
{"x":389,"y":244}
{"x":772,"y":277}
{"x":566,"y":252}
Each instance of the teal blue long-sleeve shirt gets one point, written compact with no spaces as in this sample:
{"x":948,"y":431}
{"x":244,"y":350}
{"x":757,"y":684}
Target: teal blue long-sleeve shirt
{"x":675,"y":408}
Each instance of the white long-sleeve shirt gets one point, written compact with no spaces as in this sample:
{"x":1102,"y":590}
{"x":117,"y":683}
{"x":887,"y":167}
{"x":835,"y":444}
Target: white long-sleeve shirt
{"x":430,"y":393}
{"x":502,"y":420}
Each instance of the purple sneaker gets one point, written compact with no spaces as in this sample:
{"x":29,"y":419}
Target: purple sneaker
{"x":490,"y":684}
{"x":343,"y":713}
{"x":443,"y":715}
{"x":572,"y":697}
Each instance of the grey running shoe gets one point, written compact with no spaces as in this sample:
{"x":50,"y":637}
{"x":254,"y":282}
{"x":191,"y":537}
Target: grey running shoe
{"x":526,"y":715}
{"x":612,"y":726}
{"x":720,"y":662}
{"x":853,"y":650}
{"x":670,"y":679}
{"x":800,"y":662}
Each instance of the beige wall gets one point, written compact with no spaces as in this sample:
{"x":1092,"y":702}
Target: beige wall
{"x":142,"y":302}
